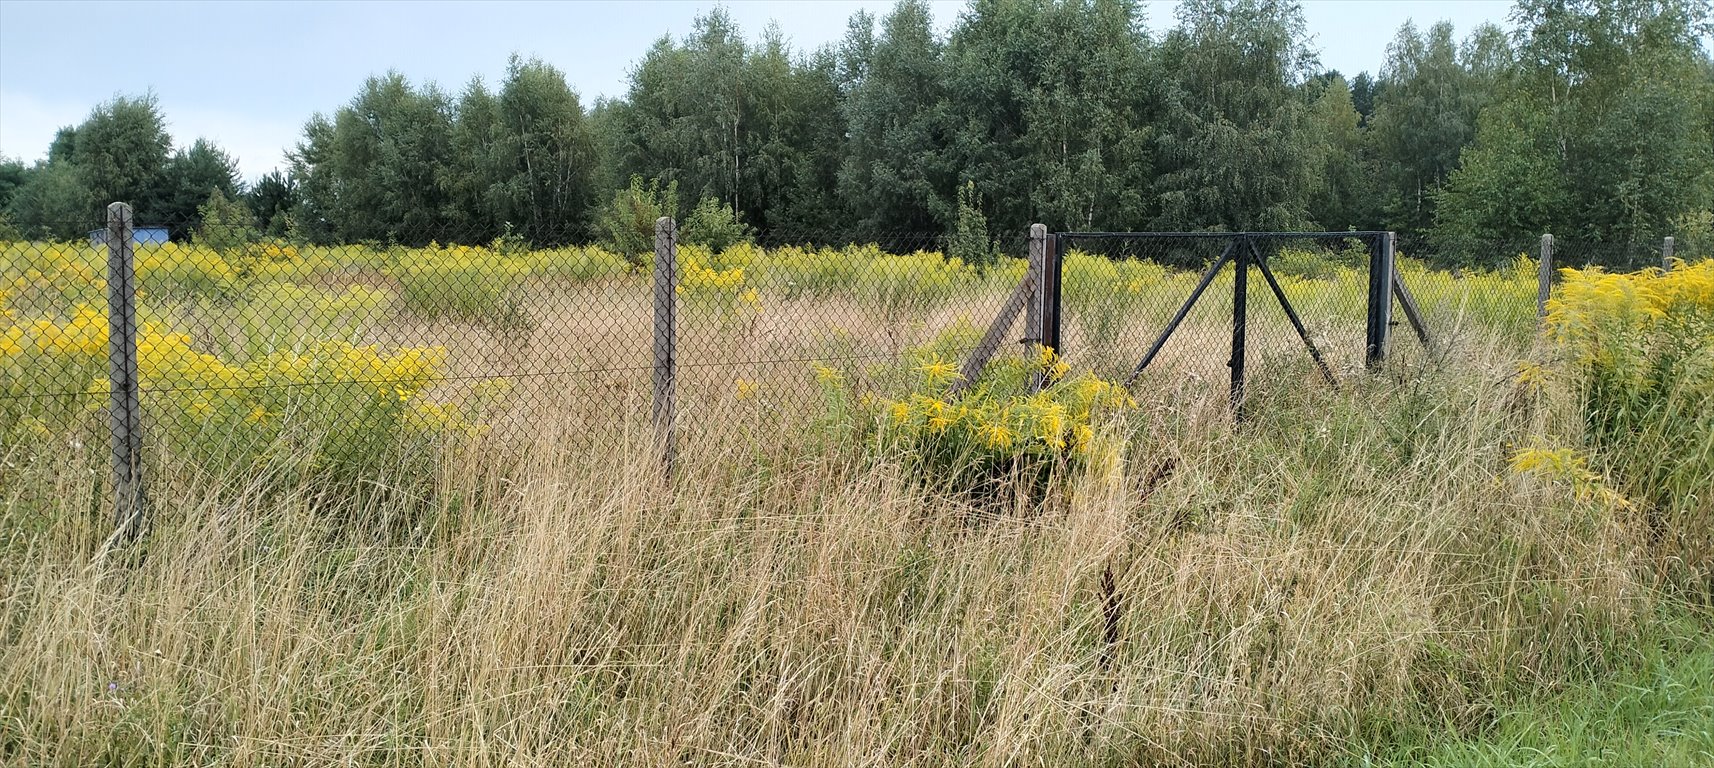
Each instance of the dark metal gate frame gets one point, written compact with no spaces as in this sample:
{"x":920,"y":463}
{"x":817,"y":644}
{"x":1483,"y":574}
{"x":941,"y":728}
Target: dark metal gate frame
{"x":1243,"y":252}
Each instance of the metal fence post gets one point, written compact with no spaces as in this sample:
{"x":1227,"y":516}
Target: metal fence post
{"x":124,"y":409}
{"x":1240,"y":322}
{"x":1380,"y":300}
{"x":1037,"y":267}
{"x":1666,"y":255}
{"x":1047,"y":302}
{"x":666,"y":327}
{"x":1544,"y":277}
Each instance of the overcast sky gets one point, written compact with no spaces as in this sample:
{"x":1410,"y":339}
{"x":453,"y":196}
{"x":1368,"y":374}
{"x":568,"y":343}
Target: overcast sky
{"x":248,"y":74}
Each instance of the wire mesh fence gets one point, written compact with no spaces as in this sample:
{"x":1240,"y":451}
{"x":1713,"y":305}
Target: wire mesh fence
{"x":255,"y":352}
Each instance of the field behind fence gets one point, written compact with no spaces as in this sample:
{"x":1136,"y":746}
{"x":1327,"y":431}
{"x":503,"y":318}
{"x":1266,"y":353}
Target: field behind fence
{"x":258,"y":355}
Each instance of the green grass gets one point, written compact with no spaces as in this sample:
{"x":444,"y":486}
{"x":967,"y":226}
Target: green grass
{"x":1658,"y":713}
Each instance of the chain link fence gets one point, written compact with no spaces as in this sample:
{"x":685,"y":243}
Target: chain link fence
{"x":256,"y":354}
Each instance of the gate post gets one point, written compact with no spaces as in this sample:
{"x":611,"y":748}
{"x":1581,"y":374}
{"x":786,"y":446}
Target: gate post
{"x":1240,"y":319}
{"x":1047,"y":260}
{"x":1544,"y":277}
{"x":1380,"y":315}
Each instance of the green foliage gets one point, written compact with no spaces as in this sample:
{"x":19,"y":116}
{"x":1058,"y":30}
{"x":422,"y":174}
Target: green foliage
{"x":894,"y":173}
{"x":1344,"y":192}
{"x":739,"y":122}
{"x":189,"y":180}
{"x":1591,"y":122}
{"x":13,"y":174}
{"x":54,"y":204}
{"x":968,"y":241}
{"x":714,"y":225}
{"x":1427,"y":114}
{"x":627,"y":224}
{"x":524,"y":159}
{"x":1604,"y":127}
{"x":273,"y":200}
{"x":121,"y":152}
{"x":225,"y":225}
{"x":1641,"y":356}
{"x":1235,"y":147}
{"x":373,"y":170}
{"x":1510,"y":184}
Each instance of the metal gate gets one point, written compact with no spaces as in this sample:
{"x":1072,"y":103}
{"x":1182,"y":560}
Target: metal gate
{"x":1118,"y":287}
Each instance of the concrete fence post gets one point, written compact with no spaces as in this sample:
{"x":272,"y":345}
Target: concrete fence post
{"x":124,"y":407}
{"x":666,"y":335}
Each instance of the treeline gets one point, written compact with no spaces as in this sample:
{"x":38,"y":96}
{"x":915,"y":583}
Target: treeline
{"x":1593,"y":119}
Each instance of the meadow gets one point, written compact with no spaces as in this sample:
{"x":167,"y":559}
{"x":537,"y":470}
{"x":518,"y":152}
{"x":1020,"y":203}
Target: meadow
{"x":407,"y":511}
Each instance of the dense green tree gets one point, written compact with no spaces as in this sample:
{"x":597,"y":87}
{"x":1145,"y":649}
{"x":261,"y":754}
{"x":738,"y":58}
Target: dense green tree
{"x":272,"y":200}
{"x":1068,"y":115}
{"x":1344,"y":190}
{"x":121,"y":150}
{"x":895,"y":175}
{"x":546,"y":148}
{"x":1427,"y":114}
{"x":1364,"y":91}
{"x":1510,"y":185}
{"x":1605,"y":131}
{"x":190,"y":177}
{"x":54,"y":204}
{"x":374,"y":170}
{"x":13,"y":174}
{"x":1236,"y":150}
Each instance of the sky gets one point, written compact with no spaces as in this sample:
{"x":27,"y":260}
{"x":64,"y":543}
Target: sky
{"x":249,"y":74}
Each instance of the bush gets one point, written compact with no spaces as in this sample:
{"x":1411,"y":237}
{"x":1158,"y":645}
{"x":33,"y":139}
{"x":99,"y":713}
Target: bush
{"x":627,"y":224}
{"x":714,"y":225}
{"x":1639,"y":349}
{"x":226,"y":226}
{"x":995,"y":436}
{"x":968,"y":242}
{"x":462,"y":282}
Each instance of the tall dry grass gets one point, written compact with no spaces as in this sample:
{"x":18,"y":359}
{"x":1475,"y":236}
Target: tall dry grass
{"x":1345,"y":566}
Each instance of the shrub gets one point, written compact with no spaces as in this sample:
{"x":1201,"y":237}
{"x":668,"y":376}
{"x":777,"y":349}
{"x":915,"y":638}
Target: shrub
{"x":995,"y":436}
{"x":226,"y":225}
{"x":1639,"y":349}
{"x":462,"y":282}
{"x":714,"y":225}
{"x":627,"y":224}
{"x":968,"y":242}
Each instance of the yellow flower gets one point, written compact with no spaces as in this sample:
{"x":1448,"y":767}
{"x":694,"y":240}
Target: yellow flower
{"x":900,"y":412}
{"x":936,"y":371}
{"x":1049,"y":363}
{"x":257,"y":415}
{"x":745,"y":389}
{"x":828,"y":375}
{"x":996,"y":435}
